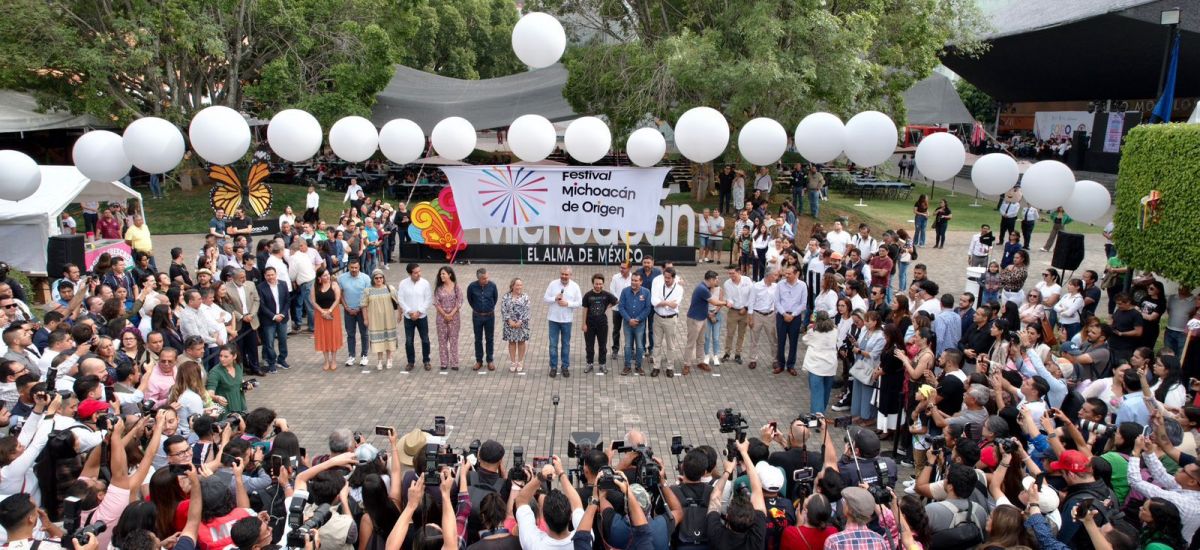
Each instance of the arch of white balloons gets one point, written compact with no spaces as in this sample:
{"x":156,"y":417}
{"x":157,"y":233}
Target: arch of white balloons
{"x":221,"y":136}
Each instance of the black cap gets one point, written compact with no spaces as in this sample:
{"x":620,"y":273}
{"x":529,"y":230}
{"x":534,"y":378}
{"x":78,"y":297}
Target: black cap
{"x":491,"y":452}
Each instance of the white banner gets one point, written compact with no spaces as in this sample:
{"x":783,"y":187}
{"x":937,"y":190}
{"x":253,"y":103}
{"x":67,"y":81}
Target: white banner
{"x":1060,"y":124}
{"x":594,"y":197}
{"x":1112,"y":136}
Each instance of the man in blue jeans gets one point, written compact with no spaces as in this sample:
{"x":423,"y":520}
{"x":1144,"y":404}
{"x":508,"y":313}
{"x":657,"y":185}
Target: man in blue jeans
{"x":816,"y":182}
{"x":415,"y":295}
{"x":634,"y":307}
{"x":353,"y":282}
{"x":564,"y":297}
{"x":791,"y":299}
{"x":482,"y":296}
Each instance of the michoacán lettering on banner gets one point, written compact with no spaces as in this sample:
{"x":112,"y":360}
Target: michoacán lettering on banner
{"x":617,"y":198}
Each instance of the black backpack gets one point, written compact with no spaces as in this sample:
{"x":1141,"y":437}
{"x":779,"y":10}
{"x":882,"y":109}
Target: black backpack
{"x":477,"y":489}
{"x":273,"y":501}
{"x":964,"y":532}
{"x":692,"y":532}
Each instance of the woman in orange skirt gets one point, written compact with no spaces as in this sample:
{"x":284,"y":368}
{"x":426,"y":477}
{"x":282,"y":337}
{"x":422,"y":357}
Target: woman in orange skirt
{"x":327,"y":332}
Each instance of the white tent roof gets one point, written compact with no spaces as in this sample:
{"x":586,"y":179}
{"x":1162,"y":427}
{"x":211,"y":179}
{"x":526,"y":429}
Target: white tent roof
{"x":19,"y":113}
{"x":35,"y":219}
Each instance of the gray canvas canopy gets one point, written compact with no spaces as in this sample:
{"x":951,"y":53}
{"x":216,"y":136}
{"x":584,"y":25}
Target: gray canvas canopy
{"x":935,"y":101}
{"x":18,"y":113}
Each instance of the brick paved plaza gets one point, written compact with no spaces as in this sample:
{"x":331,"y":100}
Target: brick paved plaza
{"x":517,"y":410}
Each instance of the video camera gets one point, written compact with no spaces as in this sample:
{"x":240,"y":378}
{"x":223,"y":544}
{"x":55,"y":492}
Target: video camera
{"x":517,"y":471}
{"x":579,"y":445}
{"x":732,"y":422}
{"x":303,"y":530}
{"x":881,"y":490}
{"x":804,"y":478}
{"x":72,"y":514}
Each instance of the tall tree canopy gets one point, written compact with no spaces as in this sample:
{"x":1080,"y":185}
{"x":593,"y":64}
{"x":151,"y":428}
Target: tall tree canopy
{"x":120,"y":59}
{"x":776,"y":58}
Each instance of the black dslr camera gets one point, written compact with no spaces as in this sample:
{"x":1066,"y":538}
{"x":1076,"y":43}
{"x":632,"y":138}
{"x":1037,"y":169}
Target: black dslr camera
{"x":304,"y":532}
{"x":881,"y":490}
{"x":72,"y":514}
{"x":811,"y":421}
{"x":732,"y":422}
{"x":605,"y":479}
{"x":517,"y":471}
{"x":1008,"y":445}
{"x":107,"y":421}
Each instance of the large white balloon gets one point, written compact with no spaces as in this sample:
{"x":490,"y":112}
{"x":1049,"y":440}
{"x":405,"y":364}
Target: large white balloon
{"x":1089,"y":201}
{"x":401,"y":141}
{"x":870,"y":138}
{"x":100,"y":155}
{"x":220,"y":135}
{"x":820,"y":137}
{"x":353,"y":139}
{"x":538,"y":39}
{"x":1048,"y":184}
{"x":646,"y":147}
{"x":532,"y":137}
{"x":762,"y":141}
{"x":587,"y":139}
{"x":702,"y":134}
{"x":154,"y":145}
{"x":294,"y":135}
{"x":995,"y":173}
{"x":453,"y":138}
{"x":20,"y":176}
{"x":940,"y":156}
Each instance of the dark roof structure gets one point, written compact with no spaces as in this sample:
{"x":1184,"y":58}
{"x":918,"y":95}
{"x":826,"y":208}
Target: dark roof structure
{"x":1067,"y":50}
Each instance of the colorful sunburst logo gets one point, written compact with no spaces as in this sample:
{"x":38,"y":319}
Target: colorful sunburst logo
{"x":513,"y":197}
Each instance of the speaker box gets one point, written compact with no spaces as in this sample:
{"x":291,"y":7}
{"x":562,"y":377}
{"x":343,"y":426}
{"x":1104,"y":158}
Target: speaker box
{"x":1068,"y":252}
{"x":63,"y":250}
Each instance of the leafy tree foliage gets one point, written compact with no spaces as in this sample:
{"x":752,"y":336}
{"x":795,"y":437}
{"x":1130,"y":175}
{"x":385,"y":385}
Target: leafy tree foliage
{"x":980,"y":104}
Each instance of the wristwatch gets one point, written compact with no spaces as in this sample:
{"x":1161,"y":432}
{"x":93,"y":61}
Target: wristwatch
{"x":593,"y":501}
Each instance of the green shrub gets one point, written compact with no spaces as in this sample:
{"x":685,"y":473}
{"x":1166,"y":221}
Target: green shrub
{"x":1163,"y":157}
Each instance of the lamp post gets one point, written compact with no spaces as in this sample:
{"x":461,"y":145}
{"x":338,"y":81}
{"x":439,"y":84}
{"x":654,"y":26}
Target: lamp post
{"x":1169,"y":18}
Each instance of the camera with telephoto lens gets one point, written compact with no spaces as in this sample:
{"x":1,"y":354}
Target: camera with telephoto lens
{"x":731,"y":421}
{"x":146,"y":406}
{"x":648,"y":473}
{"x":579,"y":446}
{"x":936,"y":442}
{"x":1008,"y":445}
{"x":1098,"y":428}
{"x":304,"y":532}
{"x":72,"y":514}
{"x":605,"y":479}
{"x":107,"y":421}
{"x":517,"y":471}
{"x":881,"y":490}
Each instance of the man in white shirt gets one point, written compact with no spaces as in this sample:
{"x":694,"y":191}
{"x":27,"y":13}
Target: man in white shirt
{"x":666,"y":293}
{"x":762,"y":318}
{"x":415,"y":295}
{"x":564,"y":298}
{"x":60,"y":342}
{"x":277,"y":261}
{"x":619,"y":282}
{"x":1028,"y":220}
{"x":352,"y":191}
{"x":193,"y":322}
{"x":1009,"y":210}
{"x":980,"y":247}
{"x":562,"y":511}
{"x":302,"y":273}
{"x":702,"y":230}
{"x":738,"y":291}
{"x":838,"y":238}
{"x":863,"y":241}
{"x":927,"y":292}
{"x":218,"y":318}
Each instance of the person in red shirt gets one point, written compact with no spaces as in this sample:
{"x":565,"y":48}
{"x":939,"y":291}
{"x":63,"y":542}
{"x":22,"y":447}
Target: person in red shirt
{"x":881,"y":268}
{"x":812,"y":525}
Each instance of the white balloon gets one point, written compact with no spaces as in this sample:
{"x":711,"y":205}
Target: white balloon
{"x":995,"y":173}
{"x":220,"y":135}
{"x":870,"y":138}
{"x":1048,"y":184}
{"x":1089,"y":201}
{"x":538,"y":39}
{"x":702,"y":134}
{"x":940,"y":156}
{"x":294,"y":135}
{"x":353,"y":139}
{"x":532,"y":137}
{"x":100,"y":155}
{"x":453,"y":138}
{"x":401,"y":141}
{"x":154,"y":145}
{"x":20,"y":176}
{"x":587,"y":139}
{"x":820,"y":137}
{"x":762,"y":141}
{"x":646,"y":147}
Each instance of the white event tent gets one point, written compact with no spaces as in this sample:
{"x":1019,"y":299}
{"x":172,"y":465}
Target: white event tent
{"x":26,"y":226}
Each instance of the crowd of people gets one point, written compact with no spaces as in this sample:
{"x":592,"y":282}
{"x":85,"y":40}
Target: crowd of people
{"x":1029,"y":418}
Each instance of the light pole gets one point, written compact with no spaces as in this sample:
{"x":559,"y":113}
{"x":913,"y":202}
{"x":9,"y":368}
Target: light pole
{"x":1169,"y":18}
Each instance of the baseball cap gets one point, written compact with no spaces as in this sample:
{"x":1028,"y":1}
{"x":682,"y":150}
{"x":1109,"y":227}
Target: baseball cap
{"x":1071,"y":461}
{"x":366,"y":453}
{"x":90,"y":407}
{"x":859,"y":501}
{"x":835,"y":256}
{"x":491,"y":451}
{"x":866,"y":441}
{"x":770,"y":476}
{"x":988,"y":457}
{"x":641,"y":495}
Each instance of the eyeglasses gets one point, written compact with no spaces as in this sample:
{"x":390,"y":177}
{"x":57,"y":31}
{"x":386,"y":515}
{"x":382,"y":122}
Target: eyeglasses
{"x":8,"y":306}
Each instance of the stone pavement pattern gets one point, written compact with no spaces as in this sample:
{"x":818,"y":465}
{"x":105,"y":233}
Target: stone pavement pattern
{"x":517,"y":410}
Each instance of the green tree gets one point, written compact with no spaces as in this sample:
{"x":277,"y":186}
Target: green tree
{"x":981,"y":105}
{"x":467,"y":39}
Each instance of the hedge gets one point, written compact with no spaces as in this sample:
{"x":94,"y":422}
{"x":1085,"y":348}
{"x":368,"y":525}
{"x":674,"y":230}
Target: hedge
{"x":1163,"y":157}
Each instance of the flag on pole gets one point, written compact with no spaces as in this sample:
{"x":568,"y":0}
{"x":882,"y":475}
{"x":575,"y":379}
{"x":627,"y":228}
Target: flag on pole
{"x":1162,"y":110}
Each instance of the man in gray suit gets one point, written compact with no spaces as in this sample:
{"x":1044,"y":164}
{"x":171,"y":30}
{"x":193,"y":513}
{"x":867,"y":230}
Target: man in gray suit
{"x":243,"y":304}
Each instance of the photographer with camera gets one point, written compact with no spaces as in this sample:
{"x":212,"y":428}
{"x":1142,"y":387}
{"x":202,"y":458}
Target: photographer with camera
{"x":104,"y":502}
{"x":860,"y":461}
{"x":795,"y":456}
{"x":561,"y":509}
{"x":693,"y":493}
{"x":18,"y":452}
{"x":633,"y":530}
{"x":324,"y":485}
{"x":486,"y":477}
{"x":744,"y":523}
{"x":957,"y":508}
{"x":26,"y":526}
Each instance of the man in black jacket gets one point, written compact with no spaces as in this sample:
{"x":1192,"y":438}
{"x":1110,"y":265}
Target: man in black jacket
{"x":976,"y":338}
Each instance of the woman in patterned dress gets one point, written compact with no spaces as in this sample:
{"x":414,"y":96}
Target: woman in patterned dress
{"x":514,"y":308}
{"x":448,"y":299}
{"x":379,"y":306}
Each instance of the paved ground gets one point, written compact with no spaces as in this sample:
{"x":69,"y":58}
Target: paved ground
{"x":517,"y":410}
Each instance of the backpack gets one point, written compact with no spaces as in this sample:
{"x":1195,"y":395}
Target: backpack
{"x":964,"y":532}
{"x":477,"y":489}
{"x":692,"y":532}
{"x":273,"y":501}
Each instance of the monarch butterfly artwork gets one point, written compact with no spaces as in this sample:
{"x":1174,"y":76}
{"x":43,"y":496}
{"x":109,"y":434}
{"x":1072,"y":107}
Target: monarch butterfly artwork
{"x":229,"y":192}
